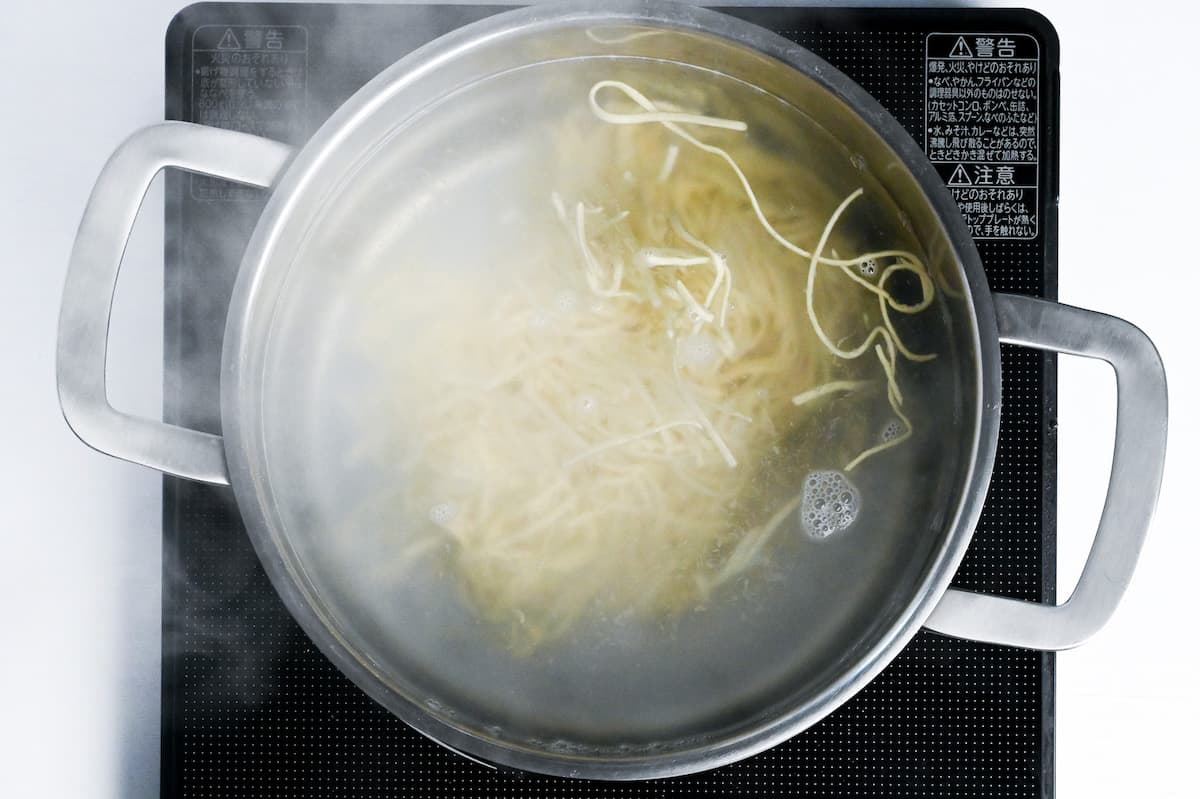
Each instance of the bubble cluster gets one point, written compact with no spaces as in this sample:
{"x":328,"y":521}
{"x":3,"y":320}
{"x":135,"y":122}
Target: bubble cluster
{"x":891,"y":431}
{"x":566,"y":301}
{"x":868,"y":267}
{"x":698,"y":351}
{"x":540,"y":320}
{"x":829,"y":504}
{"x":443,"y":513}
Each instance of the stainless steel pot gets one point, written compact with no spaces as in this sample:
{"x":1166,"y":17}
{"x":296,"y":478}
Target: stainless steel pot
{"x":608,"y":726}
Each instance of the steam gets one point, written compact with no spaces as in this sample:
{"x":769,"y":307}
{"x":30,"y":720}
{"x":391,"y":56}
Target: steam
{"x":223,"y":634}
{"x":220,"y":638}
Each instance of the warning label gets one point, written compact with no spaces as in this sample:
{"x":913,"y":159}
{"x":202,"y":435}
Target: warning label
{"x":252,"y":78}
{"x":981,"y":128}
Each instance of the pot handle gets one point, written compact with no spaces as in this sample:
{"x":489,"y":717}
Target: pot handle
{"x":1137,"y":465}
{"x":92,"y":279}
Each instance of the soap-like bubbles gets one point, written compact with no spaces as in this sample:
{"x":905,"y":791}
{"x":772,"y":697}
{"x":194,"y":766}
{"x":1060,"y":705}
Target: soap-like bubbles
{"x":443,"y":513}
{"x":830,"y":503}
{"x":566,"y":301}
{"x":699,"y":351}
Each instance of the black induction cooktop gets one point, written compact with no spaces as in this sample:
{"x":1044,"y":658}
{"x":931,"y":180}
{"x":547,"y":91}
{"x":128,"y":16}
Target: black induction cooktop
{"x":251,"y":709}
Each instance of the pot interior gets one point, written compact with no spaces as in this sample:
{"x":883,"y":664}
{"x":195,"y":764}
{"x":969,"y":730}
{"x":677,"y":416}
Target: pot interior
{"x":423,"y":217}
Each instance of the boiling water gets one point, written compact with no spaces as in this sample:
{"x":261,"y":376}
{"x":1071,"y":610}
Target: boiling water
{"x":454,"y":214}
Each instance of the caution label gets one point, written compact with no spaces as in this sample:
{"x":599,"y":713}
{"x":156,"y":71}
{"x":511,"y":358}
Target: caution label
{"x":981,"y":127}
{"x":252,"y":78}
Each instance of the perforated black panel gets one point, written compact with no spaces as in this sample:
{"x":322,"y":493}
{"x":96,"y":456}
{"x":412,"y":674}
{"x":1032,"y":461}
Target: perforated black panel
{"x":251,"y":709}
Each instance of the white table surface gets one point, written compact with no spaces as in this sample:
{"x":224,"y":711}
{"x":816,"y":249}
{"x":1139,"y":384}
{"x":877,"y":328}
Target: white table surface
{"x":79,"y":580}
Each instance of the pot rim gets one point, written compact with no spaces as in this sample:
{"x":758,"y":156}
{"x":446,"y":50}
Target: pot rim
{"x":236,"y":381}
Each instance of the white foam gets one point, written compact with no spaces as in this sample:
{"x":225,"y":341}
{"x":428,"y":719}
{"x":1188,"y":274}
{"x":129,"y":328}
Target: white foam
{"x":540,"y":320}
{"x":699,"y":351}
{"x":443,"y":513}
{"x":566,"y":301}
{"x":830,"y":503}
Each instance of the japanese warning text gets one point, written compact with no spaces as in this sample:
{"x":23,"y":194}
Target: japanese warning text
{"x":981,"y":128}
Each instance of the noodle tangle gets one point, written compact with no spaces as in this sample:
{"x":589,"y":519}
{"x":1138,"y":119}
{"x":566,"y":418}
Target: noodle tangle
{"x":618,"y":440}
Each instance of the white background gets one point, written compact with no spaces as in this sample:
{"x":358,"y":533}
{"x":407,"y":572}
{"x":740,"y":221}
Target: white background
{"x":79,"y":583}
